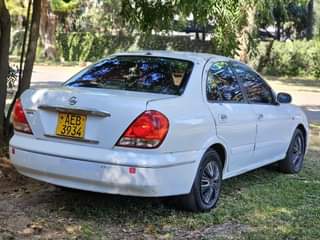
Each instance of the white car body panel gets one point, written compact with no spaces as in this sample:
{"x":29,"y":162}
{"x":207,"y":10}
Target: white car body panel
{"x":273,"y":131}
{"x":195,"y":125}
{"x":103,"y":170}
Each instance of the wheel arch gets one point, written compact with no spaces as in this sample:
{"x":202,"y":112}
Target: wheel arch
{"x":303,"y":129}
{"x":222,"y":152}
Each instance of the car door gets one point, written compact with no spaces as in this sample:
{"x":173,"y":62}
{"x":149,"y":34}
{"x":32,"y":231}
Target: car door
{"x":235,"y":120}
{"x":273,"y":121}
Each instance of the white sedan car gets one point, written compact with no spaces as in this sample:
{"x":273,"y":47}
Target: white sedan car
{"x":157,"y":124}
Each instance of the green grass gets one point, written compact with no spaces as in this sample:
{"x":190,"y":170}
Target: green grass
{"x":266,"y":203}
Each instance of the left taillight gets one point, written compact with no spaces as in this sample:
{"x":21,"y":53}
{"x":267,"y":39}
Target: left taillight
{"x":19,"y":120}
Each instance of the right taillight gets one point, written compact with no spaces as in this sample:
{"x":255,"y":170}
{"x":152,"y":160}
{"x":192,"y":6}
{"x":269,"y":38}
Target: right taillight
{"x":147,"y":131}
{"x":19,"y":119}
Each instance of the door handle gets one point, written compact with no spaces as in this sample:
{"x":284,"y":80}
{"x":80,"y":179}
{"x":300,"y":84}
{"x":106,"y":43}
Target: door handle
{"x":260,"y":116}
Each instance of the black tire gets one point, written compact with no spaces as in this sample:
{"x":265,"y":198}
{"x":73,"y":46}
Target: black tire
{"x":201,"y":198}
{"x":293,"y":161}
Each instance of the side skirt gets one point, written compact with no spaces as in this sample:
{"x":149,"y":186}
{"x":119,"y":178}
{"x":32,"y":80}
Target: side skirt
{"x":251,"y":167}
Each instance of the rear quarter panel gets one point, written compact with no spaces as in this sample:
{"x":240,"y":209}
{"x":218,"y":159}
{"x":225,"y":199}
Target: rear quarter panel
{"x":190,"y":124}
{"x":299,"y":117}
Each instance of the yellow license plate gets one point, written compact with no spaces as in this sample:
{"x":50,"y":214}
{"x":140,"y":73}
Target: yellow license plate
{"x":71,"y":125}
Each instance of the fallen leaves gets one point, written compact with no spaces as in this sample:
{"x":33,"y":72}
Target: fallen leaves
{"x":32,"y":229}
{"x":73,"y":229}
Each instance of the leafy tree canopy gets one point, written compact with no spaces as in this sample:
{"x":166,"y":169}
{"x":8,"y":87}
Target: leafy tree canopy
{"x":63,"y":5}
{"x":17,"y":7}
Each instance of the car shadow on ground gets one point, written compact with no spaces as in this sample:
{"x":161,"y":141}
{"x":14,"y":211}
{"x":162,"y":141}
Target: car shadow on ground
{"x":125,"y":209}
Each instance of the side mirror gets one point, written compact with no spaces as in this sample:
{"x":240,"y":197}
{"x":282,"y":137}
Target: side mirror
{"x":284,"y":98}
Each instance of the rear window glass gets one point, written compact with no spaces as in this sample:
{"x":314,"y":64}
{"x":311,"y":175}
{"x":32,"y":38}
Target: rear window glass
{"x":136,"y":73}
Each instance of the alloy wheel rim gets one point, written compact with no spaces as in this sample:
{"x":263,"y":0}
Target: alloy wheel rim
{"x":210,"y":183}
{"x":297,"y":151}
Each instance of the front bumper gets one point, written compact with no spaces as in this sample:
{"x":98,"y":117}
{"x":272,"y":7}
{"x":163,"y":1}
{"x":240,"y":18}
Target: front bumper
{"x":115,"y":171}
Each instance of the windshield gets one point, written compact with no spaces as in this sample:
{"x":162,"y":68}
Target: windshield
{"x":136,"y":73}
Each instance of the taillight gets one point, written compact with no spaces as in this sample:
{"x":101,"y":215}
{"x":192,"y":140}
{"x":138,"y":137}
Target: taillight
{"x":19,"y":119}
{"x":147,"y":131}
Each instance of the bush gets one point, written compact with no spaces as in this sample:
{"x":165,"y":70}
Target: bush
{"x":178,"y":43}
{"x":86,"y":46}
{"x":292,"y":58}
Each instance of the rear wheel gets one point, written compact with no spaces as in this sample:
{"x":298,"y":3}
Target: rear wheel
{"x":293,"y":162}
{"x":206,"y":188}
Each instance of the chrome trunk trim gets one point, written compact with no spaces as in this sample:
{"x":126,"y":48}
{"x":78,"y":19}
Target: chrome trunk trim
{"x":72,"y":139}
{"x":77,"y":110}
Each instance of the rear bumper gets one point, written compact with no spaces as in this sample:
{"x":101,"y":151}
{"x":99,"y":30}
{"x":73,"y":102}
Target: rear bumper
{"x":154,"y":175}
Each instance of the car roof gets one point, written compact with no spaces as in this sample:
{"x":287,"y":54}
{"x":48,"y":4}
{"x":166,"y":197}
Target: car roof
{"x":191,"y":56}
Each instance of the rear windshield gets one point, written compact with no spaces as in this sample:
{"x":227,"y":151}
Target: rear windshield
{"x":136,"y":73}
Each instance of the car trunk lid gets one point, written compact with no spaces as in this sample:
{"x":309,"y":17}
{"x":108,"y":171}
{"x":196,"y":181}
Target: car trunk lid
{"x":108,"y":113}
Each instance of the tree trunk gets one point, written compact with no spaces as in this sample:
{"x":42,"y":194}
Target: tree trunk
{"x":5,"y":25}
{"x":316,"y":18}
{"x":197,"y":35}
{"x":265,"y":58}
{"x":245,"y":35}
{"x":204,"y":34}
{"x":32,"y":47}
{"x":195,"y":25}
{"x":48,"y":23}
{"x":278,"y":25}
{"x":310,"y":20}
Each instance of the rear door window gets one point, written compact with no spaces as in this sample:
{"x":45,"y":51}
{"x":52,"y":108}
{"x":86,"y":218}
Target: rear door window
{"x":136,"y":73}
{"x":222,"y":85}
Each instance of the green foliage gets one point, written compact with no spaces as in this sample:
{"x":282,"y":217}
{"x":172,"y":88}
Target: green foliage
{"x":158,"y":15}
{"x":87,"y":46}
{"x":63,"y":6}
{"x":230,"y":19}
{"x":17,"y":7}
{"x":148,"y":15}
{"x":177,"y":43}
{"x":75,"y":46}
{"x":294,"y":58}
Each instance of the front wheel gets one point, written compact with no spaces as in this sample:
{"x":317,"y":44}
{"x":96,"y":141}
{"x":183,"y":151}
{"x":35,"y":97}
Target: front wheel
{"x":293,"y":162}
{"x":206,"y":188}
